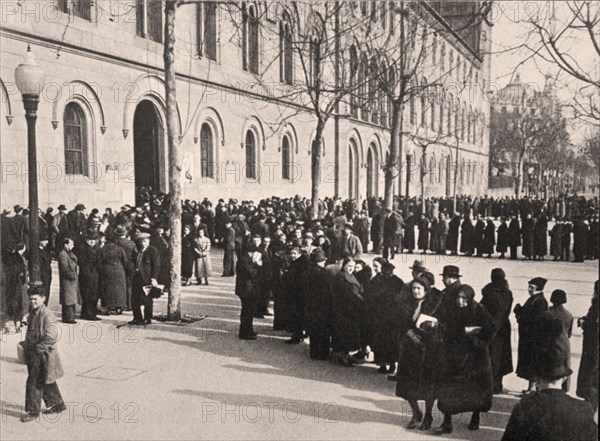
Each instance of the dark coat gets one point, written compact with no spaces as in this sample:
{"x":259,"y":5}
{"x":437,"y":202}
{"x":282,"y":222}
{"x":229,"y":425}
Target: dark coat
{"x":551,"y":415}
{"x":347,"y":312}
{"x":528,"y":317}
{"x":188,"y":256}
{"x":514,"y":233}
{"x":147,"y":265}
{"x":16,"y":285}
{"x":540,"y":237}
{"x":587,"y":378}
{"x":478,"y":235}
{"x":294,"y":283}
{"x":390,"y":226}
{"x":247,"y":277}
{"x":556,"y":240}
{"x":87,"y":259}
{"x":421,"y":367}
{"x":468,"y":382}
{"x":409,"y":234}
{"x":489,"y":238}
{"x":113,"y":276}
{"x":380,"y":312}
{"x":502,"y":242}
{"x":161,"y":244}
{"x":527,"y":234}
{"x":46,"y":270}
{"x":317,"y":302}
{"x":68,"y":280}
{"x":580,"y":235}
{"x":453,"y":234}
{"x":42,"y":336}
{"x":561,"y":342}
{"x":229,"y":239}
{"x":423,"y":234}
{"x":498,"y":300}
{"x":467,"y":244}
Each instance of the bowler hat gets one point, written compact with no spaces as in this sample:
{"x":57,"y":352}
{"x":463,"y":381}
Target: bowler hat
{"x":318,"y":255}
{"x":62,"y":207}
{"x":552,"y":364}
{"x":418,"y":266}
{"x":17,"y":208}
{"x":120,"y":230}
{"x":79,"y":207}
{"x":451,"y":271}
{"x":538,"y":282}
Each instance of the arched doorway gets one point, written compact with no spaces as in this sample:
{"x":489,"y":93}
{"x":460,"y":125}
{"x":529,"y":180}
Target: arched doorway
{"x":352,"y":170}
{"x":148,"y":141}
{"x":372,"y":172}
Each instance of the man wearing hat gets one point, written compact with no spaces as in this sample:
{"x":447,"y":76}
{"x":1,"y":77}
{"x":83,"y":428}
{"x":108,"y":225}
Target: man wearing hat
{"x":451,"y":279}
{"x":549,"y":413}
{"x":68,"y":271}
{"x":128,"y":246}
{"x":317,"y":306}
{"x":88,"y":259}
{"x":60,"y":224}
{"x":528,"y":317}
{"x":146,"y":272}
{"x":248,"y":271}
{"x":77,"y":222}
{"x":228,"y":249}
{"x":390,"y":226}
{"x":349,"y":244}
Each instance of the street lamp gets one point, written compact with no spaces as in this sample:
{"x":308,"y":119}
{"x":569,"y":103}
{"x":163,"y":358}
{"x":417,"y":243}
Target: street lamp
{"x":30,"y":81}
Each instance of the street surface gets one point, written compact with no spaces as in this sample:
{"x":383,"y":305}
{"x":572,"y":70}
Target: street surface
{"x":200,"y":382}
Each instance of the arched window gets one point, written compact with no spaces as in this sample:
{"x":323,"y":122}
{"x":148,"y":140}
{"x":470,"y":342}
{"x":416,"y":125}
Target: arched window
{"x":432,"y":104}
{"x":457,"y":68}
{"x":451,"y":62}
{"x":441,"y":124}
{"x":250,"y":38}
{"x":470,"y":120}
{"x":450,"y":109}
{"x":149,"y":19}
{"x":372,"y":171}
{"x":462,"y":122}
{"x":391,"y":88}
{"x":353,"y":169}
{"x":207,"y":151}
{"x":373,"y":104}
{"x":434,"y":49}
{"x":363,"y":85}
{"x":315,"y":60}
{"x":382,"y":94}
{"x":286,"y":50}
{"x":412,"y":107}
{"x":76,"y":140}
{"x":424,"y":107}
{"x":443,"y":56}
{"x":285,"y":158}
{"x":250,"y":155}
{"x":432,"y":170}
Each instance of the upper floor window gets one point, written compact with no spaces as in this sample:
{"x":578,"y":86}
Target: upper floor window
{"x":286,"y":51}
{"x":150,"y":19}
{"x":76,"y":136}
{"x":207,"y":30}
{"x":364,"y":6}
{"x":314,"y":60}
{"x":79,"y":8}
{"x":443,"y":57}
{"x":451,"y":62}
{"x":434,"y":49}
{"x":285,"y":158}
{"x":383,"y":14}
{"x":250,"y":25}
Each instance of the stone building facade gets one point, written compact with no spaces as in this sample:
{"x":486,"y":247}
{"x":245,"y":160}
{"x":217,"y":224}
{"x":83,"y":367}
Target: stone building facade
{"x":101,"y":119}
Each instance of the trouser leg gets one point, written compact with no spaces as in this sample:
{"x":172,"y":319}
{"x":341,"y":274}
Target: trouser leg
{"x":247,"y":317}
{"x":33,"y":394}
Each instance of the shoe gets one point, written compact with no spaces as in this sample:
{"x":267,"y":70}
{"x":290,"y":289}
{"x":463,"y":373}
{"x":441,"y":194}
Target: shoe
{"x":119,"y":311}
{"x":426,"y":424}
{"x":72,"y":322}
{"x":135,"y":322}
{"x":28,"y":417}
{"x":293,"y":341}
{"x":268,"y":314}
{"x":382,"y":369}
{"x":443,"y":430}
{"x":391,"y":368}
{"x":343,"y":361}
{"x":247,"y":337}
{"x":95,"y":319}
{"x":259,"y":316}
{"x":393,"y":377}
{"x":416,"y":419}
{"x":474,"y":424}
{"x":56,"y":409}
{"x":148,"y":322}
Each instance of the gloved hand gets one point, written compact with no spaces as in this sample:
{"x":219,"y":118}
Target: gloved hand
{"x":414,"y":337}
{"x":429,"y":326}
{"x":517,"y":309}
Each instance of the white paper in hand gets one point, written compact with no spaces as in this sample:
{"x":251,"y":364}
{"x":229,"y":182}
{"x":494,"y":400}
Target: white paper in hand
{"x":425,"y":318}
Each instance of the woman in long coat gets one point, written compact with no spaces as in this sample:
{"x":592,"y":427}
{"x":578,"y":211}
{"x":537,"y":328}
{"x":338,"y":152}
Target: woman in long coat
{"x":380,"y":310}
{"x":527,"y":231}
{"x":540,"y":238}
{"x":202,"y":250}
{"x":469,"y":369}
{"x":69,"y":283}
{"x":556,"y":239}
{"x":558,"y":312}
{"x":188,"y":255}
{"x":317,"y":307}
{"x":502,"y":242}
{"x":467,"y":245}
{"x":489,"y":238}
{"x":421,"y":358}
{"x":347,"y":312}
{"x":587,"y":377}
{"x":87,"y":253}
{"x":497,"y":299}
{"x":113,"y":275}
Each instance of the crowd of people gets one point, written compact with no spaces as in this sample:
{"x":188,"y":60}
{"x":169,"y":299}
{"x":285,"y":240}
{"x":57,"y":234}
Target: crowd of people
{"x":437,"y":344}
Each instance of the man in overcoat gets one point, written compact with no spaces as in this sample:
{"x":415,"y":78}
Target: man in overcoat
{"x":68,"y":271}
{"x":129,"y":247}
{"x":146,"y":273}
{"x":43,"y":362}
{"x":514,"y":236}
{"x":228,"y":250}
{"x":248,"y":270}
{"x":88,"y":260}
{"x":528,"y":318}
{"x":390,"y":226}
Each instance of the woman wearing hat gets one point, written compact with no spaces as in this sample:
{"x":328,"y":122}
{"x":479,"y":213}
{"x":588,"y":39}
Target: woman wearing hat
{"x":421,"y":360}
{"x":558,"y":312}
{"x":380,"y":312}
{"x":347,"y":311}
{"x":202,"y":250}
{"x":468,"y":388}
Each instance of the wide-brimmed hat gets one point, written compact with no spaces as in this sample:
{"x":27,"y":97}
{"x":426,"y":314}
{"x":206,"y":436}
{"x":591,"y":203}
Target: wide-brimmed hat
{"x":79,"y":207}
{"x":538,"y":282}
{"x":451,"y":271}
{"x":61,"y":207}
{"x":318,"y":255}
{"x":552,"y":364}
{"x":419,"y":266}
{"x":120,"y":230}
{"x":17,"y":208}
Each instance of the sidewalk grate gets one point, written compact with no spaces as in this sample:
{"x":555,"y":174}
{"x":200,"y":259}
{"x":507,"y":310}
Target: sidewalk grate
{"x":111,"y":373}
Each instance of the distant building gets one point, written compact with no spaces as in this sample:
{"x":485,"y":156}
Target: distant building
{"x":101,"y":119}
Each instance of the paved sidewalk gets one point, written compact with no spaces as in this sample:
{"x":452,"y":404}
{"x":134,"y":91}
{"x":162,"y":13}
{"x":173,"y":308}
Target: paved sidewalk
{"x":200,"y":382}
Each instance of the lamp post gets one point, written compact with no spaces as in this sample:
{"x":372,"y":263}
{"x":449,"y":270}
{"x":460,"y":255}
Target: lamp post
{"x":30,"y":81}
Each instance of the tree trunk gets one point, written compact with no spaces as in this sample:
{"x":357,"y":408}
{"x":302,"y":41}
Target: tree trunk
{"x":392,"y":168}
{"x":174,"y":303}
{"x":316,"y":153}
